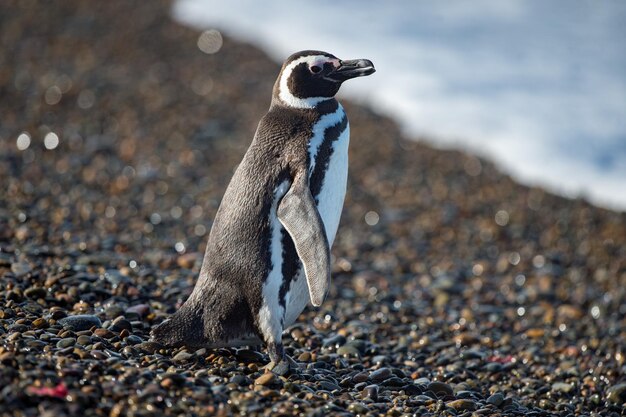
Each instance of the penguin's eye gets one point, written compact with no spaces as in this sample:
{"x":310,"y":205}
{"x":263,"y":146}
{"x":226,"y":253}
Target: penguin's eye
{"x":315,"y":69}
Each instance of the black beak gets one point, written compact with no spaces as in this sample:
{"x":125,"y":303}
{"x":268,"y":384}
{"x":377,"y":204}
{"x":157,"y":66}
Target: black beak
{"x":351,"y":69}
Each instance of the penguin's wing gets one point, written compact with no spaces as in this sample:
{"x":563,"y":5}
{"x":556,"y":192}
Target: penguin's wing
{"x":298,"y":214}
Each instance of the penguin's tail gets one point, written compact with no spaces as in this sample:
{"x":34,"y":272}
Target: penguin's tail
{"x":183,"y":328}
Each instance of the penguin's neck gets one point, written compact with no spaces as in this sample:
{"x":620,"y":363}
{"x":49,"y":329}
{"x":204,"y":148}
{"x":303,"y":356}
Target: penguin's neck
{"x":330,"y":117}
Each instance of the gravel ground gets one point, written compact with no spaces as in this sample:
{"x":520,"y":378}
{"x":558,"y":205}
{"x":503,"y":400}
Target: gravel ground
{"x":456,"y":291}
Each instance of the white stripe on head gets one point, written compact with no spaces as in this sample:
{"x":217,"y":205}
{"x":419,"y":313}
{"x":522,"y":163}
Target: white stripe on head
{"x":285,"y":94}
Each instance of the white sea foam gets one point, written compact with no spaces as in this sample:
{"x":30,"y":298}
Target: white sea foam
{"x":537,"y":86}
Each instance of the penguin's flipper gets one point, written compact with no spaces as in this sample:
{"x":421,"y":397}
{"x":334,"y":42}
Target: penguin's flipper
{"x":298,"y":214}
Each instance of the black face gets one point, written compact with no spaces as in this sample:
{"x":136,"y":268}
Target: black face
{"x":320,"y":74}
{"x":309,"y":80}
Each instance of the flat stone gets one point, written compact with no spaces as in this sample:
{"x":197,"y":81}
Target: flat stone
{"x":20,"y":269}
{"x":67,"y":342}
{"x":266,"y":379}
{"x":80,"y":322}
{"x":35,"y":292}
{"x":380,"y":374}
{"x":617,"y":394}
{"x":562,"y":387}
{"x":462,"y":405}
{"x":182,"y":356}
{"x":370,"y":392}
{"x":440,"y":388}
{"x":495,"y":399}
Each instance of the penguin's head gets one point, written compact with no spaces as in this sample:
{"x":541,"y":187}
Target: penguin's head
{"x":310,"y":77}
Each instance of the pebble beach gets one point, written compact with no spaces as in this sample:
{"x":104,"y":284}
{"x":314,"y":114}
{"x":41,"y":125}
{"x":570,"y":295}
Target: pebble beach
{"x":456,"y":291}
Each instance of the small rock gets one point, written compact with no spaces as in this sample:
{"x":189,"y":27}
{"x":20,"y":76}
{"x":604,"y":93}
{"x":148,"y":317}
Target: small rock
{"x":462,"y":405}
{"x":535,"y":333}
{"x":104,"y":333}
{"x":67,"y":342}
{"x":247,"y":355}
{"x":83,"y":340}
{"x":80,"y":322}
{"x":440,"y":388}
{"x":189,"y":260}
{"x":35,"y":292}
{"x":496,"y":399}
{"x":346,"y":350}
{"x":182,"y":356}
{"x":360,"y":377}
{"x":380,"y":374}
{"x":21,"y":268}
{"x":40,"y":323}
{"x":562,"y":387}
{"x":370,"y":392}
{"x":141,"y":309}
{"x":133,"y":340}
{"x":617,"y":394}
{"x":149,"y":347}
{"x":265,"y":379}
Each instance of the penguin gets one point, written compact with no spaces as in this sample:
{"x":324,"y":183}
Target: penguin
{"x":268,"y":251}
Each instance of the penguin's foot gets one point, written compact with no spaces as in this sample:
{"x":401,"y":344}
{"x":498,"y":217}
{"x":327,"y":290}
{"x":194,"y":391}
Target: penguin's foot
{"x":280,"y":363}
{"x":283,"y":367}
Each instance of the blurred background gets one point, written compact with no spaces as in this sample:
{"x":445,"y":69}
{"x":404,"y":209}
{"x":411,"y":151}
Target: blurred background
{"x":539,"y":88}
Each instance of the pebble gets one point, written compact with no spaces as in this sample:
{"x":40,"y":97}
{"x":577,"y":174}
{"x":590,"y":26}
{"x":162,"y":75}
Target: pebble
{"x":267,"y":378}
{"x":64,"y":343}
{"x":80,"y":322}
{"x":183,"y":356}
{"x":462,"y":405}
{"x":617,"y":394}
{"x":562,"y":387}
{"x":370,"y":392}
{"x":380,"y":374}
{"x":440,"y":388}
{"x":496,"y":399}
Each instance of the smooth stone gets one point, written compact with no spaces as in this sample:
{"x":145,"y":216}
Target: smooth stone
{"x":462,"y":405}
{"x":357,"y":408}
{"x":328,"y":386}
{"x":183,"y":356}
{"x":346,"y":350}
{"x":380,"y":359}
{"x":40,"y":323}
{"x":617,"y":394}
{"x":140,"y":309}
{"x":360,"y":377}
{"x":562,"y":387}
{"x":149,"y":347}
{"x":133,"y":339}
{"x":240,"y":380}
{"x":412,"y":389}
{"x":35,"y":292}
{"x":20,"y":269}
{"x":335,"y":341}
{"x":265,"y":379}
{"x":381,"y":374}
{"x":371,"y":392}
{"x":440,"y":388}
{"x":104,"y":333}
{"x":83,"y":340}
{"x":248,"y":355}
{"x":65,"y":343}
{"x":496,"y":399}
{"x":80,"y":322}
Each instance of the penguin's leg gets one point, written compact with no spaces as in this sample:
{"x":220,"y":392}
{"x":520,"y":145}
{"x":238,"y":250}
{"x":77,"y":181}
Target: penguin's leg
{"x":271,"y":329}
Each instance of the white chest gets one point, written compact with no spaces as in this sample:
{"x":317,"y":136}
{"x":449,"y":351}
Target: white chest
{"x":333,"y":190}
{"x":330,"y":198}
